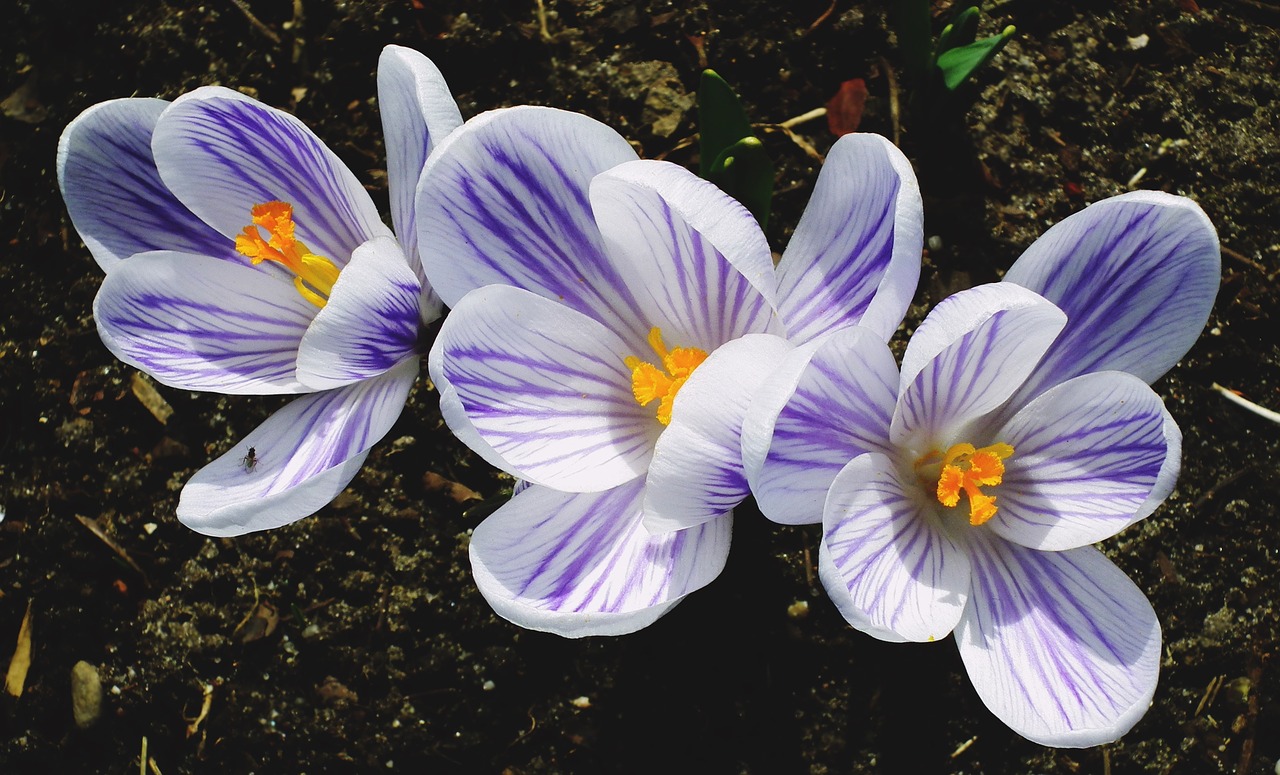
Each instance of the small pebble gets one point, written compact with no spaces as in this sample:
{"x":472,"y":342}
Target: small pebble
{"x":799,"y":609}
{"x":86,"y":694}
{"x":488,"y":686}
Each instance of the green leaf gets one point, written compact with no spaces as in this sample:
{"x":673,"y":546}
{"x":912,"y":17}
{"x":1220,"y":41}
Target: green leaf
{"x":960,"y":62}
{"x":913,"y":37}
{"x":962,"y":30}
{"x":744,"y":172}
{"x":722,"y":121}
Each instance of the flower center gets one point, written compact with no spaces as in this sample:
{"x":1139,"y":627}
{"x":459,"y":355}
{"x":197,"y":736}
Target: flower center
{"x":966,"y":469}
{"x":313,"y":275}
{"x":650,"y":383}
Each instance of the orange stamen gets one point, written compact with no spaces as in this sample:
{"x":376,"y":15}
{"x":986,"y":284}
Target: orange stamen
{"x":966,"y":469}
{"x":314,"y":275}
{"x":650,"y":383}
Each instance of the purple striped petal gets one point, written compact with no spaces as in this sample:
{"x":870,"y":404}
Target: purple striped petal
{"x":222,"y":153}
{"x":582,"y":564}
{"x":369,"y":324}
{"x":1136,"y":275}
{"x":1060,"y":646}
{"x":886,"y":562}
{"x":503,"y":200}
{"x":1090,"y":457}
{"x":968,"y":356}
{"x":855,"y":256}
{"x":200,"y":323}
{"x":547,"y":388}
{"x":827,"y":403}
{"x":418,"y":111}
{"x":694,"y":258}
{"x":113,"y":191}
{"x":696,"y":474}
{"x":303,"y":456}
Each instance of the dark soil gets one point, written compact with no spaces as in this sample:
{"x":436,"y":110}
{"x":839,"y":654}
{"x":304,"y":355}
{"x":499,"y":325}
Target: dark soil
{"x":383,"y":657}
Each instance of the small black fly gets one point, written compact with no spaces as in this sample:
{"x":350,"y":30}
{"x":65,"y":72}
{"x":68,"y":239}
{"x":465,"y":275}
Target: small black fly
{"x":250,"y":459}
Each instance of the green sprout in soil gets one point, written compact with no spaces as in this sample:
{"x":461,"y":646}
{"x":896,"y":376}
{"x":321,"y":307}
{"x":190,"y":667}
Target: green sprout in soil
{"x":731,"y":156}
{"x":939,"y":69}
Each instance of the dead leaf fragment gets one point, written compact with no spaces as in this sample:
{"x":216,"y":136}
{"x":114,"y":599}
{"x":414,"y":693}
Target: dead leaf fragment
{"x":23,"y":104}
{"x":333,"y":692}
{"x":460,"y":493}
{"x":261,"y":622}
{"x":16,"y":678}
{"x":844,"y":110}
{"x":149,"y":397}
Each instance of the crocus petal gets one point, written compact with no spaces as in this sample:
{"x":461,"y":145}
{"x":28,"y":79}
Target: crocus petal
{"x":1090,"y":457}
{"x":967,"y":357}
{"x":828,"y":402}
{"x":1061,"y":646}
{"x":418,"y":111}
{"x":200,"y":323}
{"x":503,"y":200}
{"x":222,"y":153}
{"x":547,"y":388}
{"x":369,"y":324}
{"x":1136,"y":275}
{"x":855,"y":256}
{"x":303,"y":456}
{"x":886,"y":562}
{"x":113,"y":191}
{"x":696,"y":474}
{"x":582,"y":564}
{"x":694,"y":258}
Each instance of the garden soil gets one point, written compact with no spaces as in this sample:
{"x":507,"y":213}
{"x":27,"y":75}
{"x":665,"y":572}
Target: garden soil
{"x":355,"y":640}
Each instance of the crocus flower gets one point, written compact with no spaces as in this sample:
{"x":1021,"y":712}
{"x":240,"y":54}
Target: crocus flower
{"x":963,"y":493}
{"x":243,"y":257}
{"x":611,"y":318}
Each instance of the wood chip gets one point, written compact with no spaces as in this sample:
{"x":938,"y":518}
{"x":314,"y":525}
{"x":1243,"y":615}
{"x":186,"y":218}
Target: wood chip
{"x":16,"y":678}
{"x":148,"y":396}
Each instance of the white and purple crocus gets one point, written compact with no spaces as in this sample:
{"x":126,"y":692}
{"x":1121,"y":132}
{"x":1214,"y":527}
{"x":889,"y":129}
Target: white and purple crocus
{"x":611,"y":318}
{"x":961,"y":493}
{"x":243,"y":257}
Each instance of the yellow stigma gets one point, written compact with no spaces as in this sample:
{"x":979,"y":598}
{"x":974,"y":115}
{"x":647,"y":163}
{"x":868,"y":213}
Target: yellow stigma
{"x":314,"y":275}
{"x":649,"y":383}
{"x":967,"y":469}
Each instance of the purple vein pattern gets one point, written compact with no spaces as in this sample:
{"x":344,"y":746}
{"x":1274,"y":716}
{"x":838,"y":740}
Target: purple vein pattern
{"x":159,"y":192}
{"x":1059,"y":644}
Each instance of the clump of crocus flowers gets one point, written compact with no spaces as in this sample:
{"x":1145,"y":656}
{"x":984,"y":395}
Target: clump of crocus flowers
{"x":621,"y":341}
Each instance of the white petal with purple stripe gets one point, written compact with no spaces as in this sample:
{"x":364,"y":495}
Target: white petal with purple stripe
{"x":828,"y":402}
{"x":855,"y":256}
{"x":221,"y":153}
{"x":1061,"y":646}
{"x":696,"y":474}
{"x":370,"y":322}
{"x":1090,"y":457}
{"x":968,"y":356}
{"x":885,"y":559}
{"x":114,"y":193}
{"x":303,"y":456}
{"x":582,"y":564}
{"x":1136,"y":275}
{"x":200,"y":323}
{"x":503,"y":200}
{"x":694,"y":259}
{"x":547,"y":388}
{"x":418,"y":112}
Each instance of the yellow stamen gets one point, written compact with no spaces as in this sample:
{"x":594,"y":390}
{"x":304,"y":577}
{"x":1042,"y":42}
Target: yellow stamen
{"x":650,"y":383}
{"x":967,"y":469}
{"x":314,"y":275}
